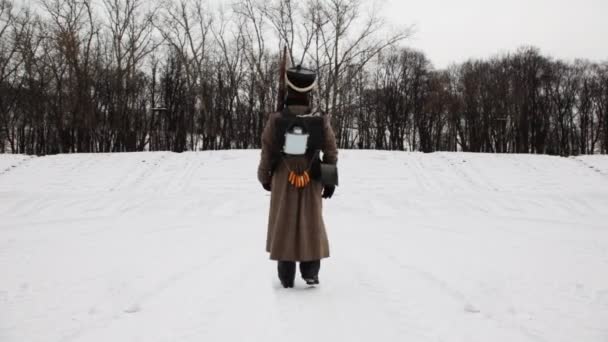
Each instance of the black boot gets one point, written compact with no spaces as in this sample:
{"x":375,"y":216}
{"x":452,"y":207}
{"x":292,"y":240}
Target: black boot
{"x":312,"y":281}
{"x":287,"y":273}
{"x":310,"y":271}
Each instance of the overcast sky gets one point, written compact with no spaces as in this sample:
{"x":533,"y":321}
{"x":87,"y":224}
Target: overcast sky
{"x":449,"y":31}
{"x":453,"y":31}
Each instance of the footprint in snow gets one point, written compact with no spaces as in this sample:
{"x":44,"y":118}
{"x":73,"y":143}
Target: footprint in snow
{"x":133,"y":308}
{"x":471,"y":309}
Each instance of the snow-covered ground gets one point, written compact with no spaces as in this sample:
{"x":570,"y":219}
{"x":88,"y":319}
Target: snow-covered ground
{"x":425,"y":247}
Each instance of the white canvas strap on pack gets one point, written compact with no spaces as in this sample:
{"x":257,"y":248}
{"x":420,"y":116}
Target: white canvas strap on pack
{"x":295,"y":143}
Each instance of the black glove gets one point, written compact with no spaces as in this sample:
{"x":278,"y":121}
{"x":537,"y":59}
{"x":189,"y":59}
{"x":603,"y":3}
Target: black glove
{"x":328,"y":191}
{"x":266,"y":186}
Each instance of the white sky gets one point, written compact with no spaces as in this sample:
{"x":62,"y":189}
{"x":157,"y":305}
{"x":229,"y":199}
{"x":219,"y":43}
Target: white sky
{"x":453,"y":31}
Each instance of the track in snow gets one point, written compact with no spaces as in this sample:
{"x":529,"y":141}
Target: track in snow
{"x":425,"y":247}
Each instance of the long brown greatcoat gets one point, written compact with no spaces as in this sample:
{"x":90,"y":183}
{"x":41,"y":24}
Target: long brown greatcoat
{"x":296,"y":231}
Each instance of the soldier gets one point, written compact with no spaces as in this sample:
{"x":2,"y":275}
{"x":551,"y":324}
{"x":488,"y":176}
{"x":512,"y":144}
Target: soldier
{"x":290,"y":168}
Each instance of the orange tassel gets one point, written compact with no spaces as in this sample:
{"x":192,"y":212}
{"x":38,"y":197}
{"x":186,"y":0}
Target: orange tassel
{"x":299,"y":181}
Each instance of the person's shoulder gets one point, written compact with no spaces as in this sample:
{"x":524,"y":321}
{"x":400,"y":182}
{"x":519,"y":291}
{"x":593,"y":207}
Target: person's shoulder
{"x":271,"y":118}
{"x":321,"y":113}
{"x":326,"y":116}
{"x":273,"y":115}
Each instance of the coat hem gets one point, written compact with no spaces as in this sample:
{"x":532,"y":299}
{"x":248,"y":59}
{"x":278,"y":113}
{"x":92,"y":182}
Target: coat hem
{"x":275,"y":258}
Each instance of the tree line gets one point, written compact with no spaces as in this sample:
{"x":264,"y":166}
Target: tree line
{"x":521,"y":102}
{"x":129,"y":75}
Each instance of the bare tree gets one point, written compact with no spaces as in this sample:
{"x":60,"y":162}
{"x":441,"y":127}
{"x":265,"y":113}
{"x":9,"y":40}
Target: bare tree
{"x":123,"y":76}
{"x":8,"y":68}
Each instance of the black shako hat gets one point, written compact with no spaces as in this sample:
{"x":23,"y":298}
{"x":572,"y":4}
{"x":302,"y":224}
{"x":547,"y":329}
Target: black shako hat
{"x":300,"y":79}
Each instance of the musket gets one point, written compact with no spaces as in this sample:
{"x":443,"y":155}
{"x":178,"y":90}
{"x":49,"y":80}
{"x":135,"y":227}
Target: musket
{"x":282,"y":71}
